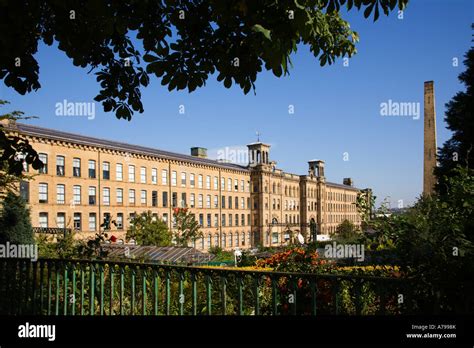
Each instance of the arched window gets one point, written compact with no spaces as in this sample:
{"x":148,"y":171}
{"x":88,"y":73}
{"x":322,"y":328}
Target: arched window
{"x":209,"y":241}
{"x":216,"y":240}
{"x":224,"y":240}
{"x":249,"y":238}
{"x":202,"y":242}
{"x":243,"y":238}
{"x":236,"y":239}
{"x":230,"y":239}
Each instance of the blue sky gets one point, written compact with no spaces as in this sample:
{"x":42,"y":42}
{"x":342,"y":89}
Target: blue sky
{"x":337,"y":108}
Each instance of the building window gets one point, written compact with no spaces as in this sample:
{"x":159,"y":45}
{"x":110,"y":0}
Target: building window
{"x":208,"y":182}
{"x":209,"y":220}
{"x":229,"y":184}
{"x":77,"y":221}
{"x":236,"y":219}
{"x":165,"y":217}
{"x":230,"y":219}
{"x":200,"y":197}
{"x":274,"y":237}
{"x":154,"y":198}
{"x":224,"y":240}
{"x":91,"y":169}
{"x":154,"y":176}
{"x":76,"y":194}
{"x":191,"y":200}
{"x":44,"y":159}
{"x":200,"y":181}
{"x":216,"y":220}
{"x":236,"y":203}
{"x":119,"y":172}
{"x":174,"y":199}
{"x":191,"y":180}
{"x":201,"y":220}
{"x":216,"y":183}
{"x":92,"y":221}
{"x":216,"y":201}
{"x":43,"y":193}
{"x":230,"y":202}
{"x":143,"y":197}
{"x":236,"y":185}
{"x":60,"y":165}
{"x":222,"y":184}
{"x":106,"y":170}
{"x":119,"y":196}
{"x":242,"y":185}
{"x":43,"y":220}
{"x":216,"y":240}
{"x":119,"y":221}
{"x":209,"y":240}
{"x":131,"y":197}
{"x":143,"y":175}
{"x":106,"y":195}
{"x":60,"y":193}
{"x":208,"y":201}
{"x":76,"y":167}
{"x":61,"y":220}
{"x":223,"y":219}
{"x":183,"y":179}
{"x":223,"y":202}
{"x":173,"y":178}
{"x":164,"y":177}
{"x":131,"y":173}
{"x":91,"y":195}
{"x":183,"y":200}
{"x":242,"y":203}
{"x":25,"y":190}
{"x":165,"y":199}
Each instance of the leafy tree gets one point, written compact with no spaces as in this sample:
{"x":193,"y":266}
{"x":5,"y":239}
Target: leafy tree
{"x":187,"y":228}
{"x":434,"y":244}
{"x":459,"y":150}
{"x":14,"y":151}
{"x":148,"y":230}
{"x":346,"y":231}
{"x":365,"y":202}
{"x":15,"y":223}
{"x":182,"y":42}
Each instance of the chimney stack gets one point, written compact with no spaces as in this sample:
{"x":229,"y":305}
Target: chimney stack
{"x":429,"y":151}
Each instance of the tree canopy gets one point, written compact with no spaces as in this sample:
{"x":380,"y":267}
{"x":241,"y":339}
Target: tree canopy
{"x":182,"y":42}
{"x":459,"y":149}
{"x":148,"y":230}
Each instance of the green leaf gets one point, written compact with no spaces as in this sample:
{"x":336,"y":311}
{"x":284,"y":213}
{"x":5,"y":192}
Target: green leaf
{"x":258,"y":28}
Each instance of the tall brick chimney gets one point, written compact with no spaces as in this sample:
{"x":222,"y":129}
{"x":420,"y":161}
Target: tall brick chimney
{"x":429,"y":152}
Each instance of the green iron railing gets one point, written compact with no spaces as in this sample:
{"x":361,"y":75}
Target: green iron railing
{"x":80,"y":287}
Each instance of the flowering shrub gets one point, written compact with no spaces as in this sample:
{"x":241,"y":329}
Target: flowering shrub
{"x":294,"y":260}
{"x":300,"y":260}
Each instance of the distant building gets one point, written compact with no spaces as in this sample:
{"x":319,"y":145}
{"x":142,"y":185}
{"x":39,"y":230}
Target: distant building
{"x":86,"y":179}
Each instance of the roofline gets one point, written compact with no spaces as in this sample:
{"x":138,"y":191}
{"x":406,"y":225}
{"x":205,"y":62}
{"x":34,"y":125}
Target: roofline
{"x":115,"y":145}
{"x":333,"y":184}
